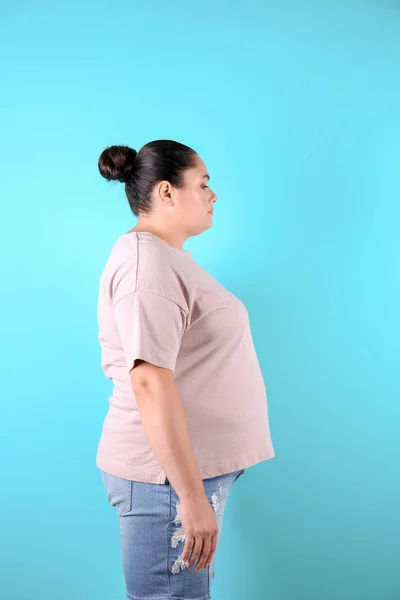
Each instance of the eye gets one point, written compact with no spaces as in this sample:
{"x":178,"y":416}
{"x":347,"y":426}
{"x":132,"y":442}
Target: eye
{"x":205,"y":186}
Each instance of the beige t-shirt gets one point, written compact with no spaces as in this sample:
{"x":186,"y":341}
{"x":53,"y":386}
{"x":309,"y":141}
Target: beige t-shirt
{"x":157,"y":304}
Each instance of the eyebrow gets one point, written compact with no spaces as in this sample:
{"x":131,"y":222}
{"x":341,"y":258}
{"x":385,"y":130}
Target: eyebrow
{"x":208,"y":177}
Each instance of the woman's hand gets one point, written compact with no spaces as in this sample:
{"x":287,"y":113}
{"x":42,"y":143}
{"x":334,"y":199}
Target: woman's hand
{"x":201,"y":531}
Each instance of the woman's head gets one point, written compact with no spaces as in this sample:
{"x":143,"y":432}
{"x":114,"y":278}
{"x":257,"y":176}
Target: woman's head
{"x":166,"y":183}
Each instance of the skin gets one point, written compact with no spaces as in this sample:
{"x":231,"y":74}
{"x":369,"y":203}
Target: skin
{"x":177,"y":215}
{"x":180,"y":213}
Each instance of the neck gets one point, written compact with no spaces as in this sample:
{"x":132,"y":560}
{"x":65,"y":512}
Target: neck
{"x":173,"y":239}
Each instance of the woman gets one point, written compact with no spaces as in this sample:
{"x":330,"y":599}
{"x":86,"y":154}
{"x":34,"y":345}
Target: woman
{"x":188,"y":413}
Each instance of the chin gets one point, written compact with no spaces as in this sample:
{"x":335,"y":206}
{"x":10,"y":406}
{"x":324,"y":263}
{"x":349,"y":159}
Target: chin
{"x":201,"y":228}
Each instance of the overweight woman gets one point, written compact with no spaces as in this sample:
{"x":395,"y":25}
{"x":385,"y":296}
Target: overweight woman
{"x":188,"y":411}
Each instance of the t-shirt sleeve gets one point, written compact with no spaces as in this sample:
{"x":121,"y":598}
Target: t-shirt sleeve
{"x":150,"y":327}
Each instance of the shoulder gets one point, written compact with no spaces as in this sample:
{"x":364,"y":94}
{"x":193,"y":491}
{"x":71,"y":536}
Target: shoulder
{"x":160,"y":272}
{"x":141,"y":264}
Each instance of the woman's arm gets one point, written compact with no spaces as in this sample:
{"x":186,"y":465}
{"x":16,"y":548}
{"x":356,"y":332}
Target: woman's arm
{"x":164,"y":420}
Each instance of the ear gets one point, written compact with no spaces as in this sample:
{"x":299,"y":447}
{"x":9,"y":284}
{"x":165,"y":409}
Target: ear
{"x":165,"y":192}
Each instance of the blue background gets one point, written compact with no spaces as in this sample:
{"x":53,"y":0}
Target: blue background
{"x":294,"y":107}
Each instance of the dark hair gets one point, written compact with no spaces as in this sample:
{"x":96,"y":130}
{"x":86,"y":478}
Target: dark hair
{"x":140,"y":171}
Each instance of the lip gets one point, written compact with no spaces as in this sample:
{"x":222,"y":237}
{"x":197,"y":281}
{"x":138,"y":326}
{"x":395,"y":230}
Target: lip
{"x":210,"y":212}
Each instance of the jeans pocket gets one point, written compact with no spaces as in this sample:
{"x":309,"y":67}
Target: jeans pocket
{"x":119,"y":492}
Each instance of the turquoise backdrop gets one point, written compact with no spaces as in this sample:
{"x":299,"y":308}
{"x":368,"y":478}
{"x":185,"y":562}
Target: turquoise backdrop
{"x":295,"y":108}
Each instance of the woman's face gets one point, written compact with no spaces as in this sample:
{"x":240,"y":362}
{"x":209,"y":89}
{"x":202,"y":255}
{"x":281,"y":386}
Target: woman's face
{"x":193,"y":202}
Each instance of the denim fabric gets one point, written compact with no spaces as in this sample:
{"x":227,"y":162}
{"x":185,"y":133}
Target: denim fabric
{"x":152,"y":537}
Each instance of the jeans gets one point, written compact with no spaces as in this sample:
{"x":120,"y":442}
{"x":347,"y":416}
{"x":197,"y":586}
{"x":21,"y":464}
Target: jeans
{"x":152,"y":537}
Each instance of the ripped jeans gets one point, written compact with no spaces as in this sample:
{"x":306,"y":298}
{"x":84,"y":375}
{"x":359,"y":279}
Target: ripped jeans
{"x":152,"y":537}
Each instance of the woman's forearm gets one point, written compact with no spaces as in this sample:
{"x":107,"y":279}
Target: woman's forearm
{"x":164,"y":420}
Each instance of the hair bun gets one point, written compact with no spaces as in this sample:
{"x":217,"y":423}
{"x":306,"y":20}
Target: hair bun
{"x":117,"y":162}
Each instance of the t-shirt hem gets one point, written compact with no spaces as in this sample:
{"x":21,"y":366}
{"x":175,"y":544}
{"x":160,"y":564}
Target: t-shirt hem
{"x":158,"y":476}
